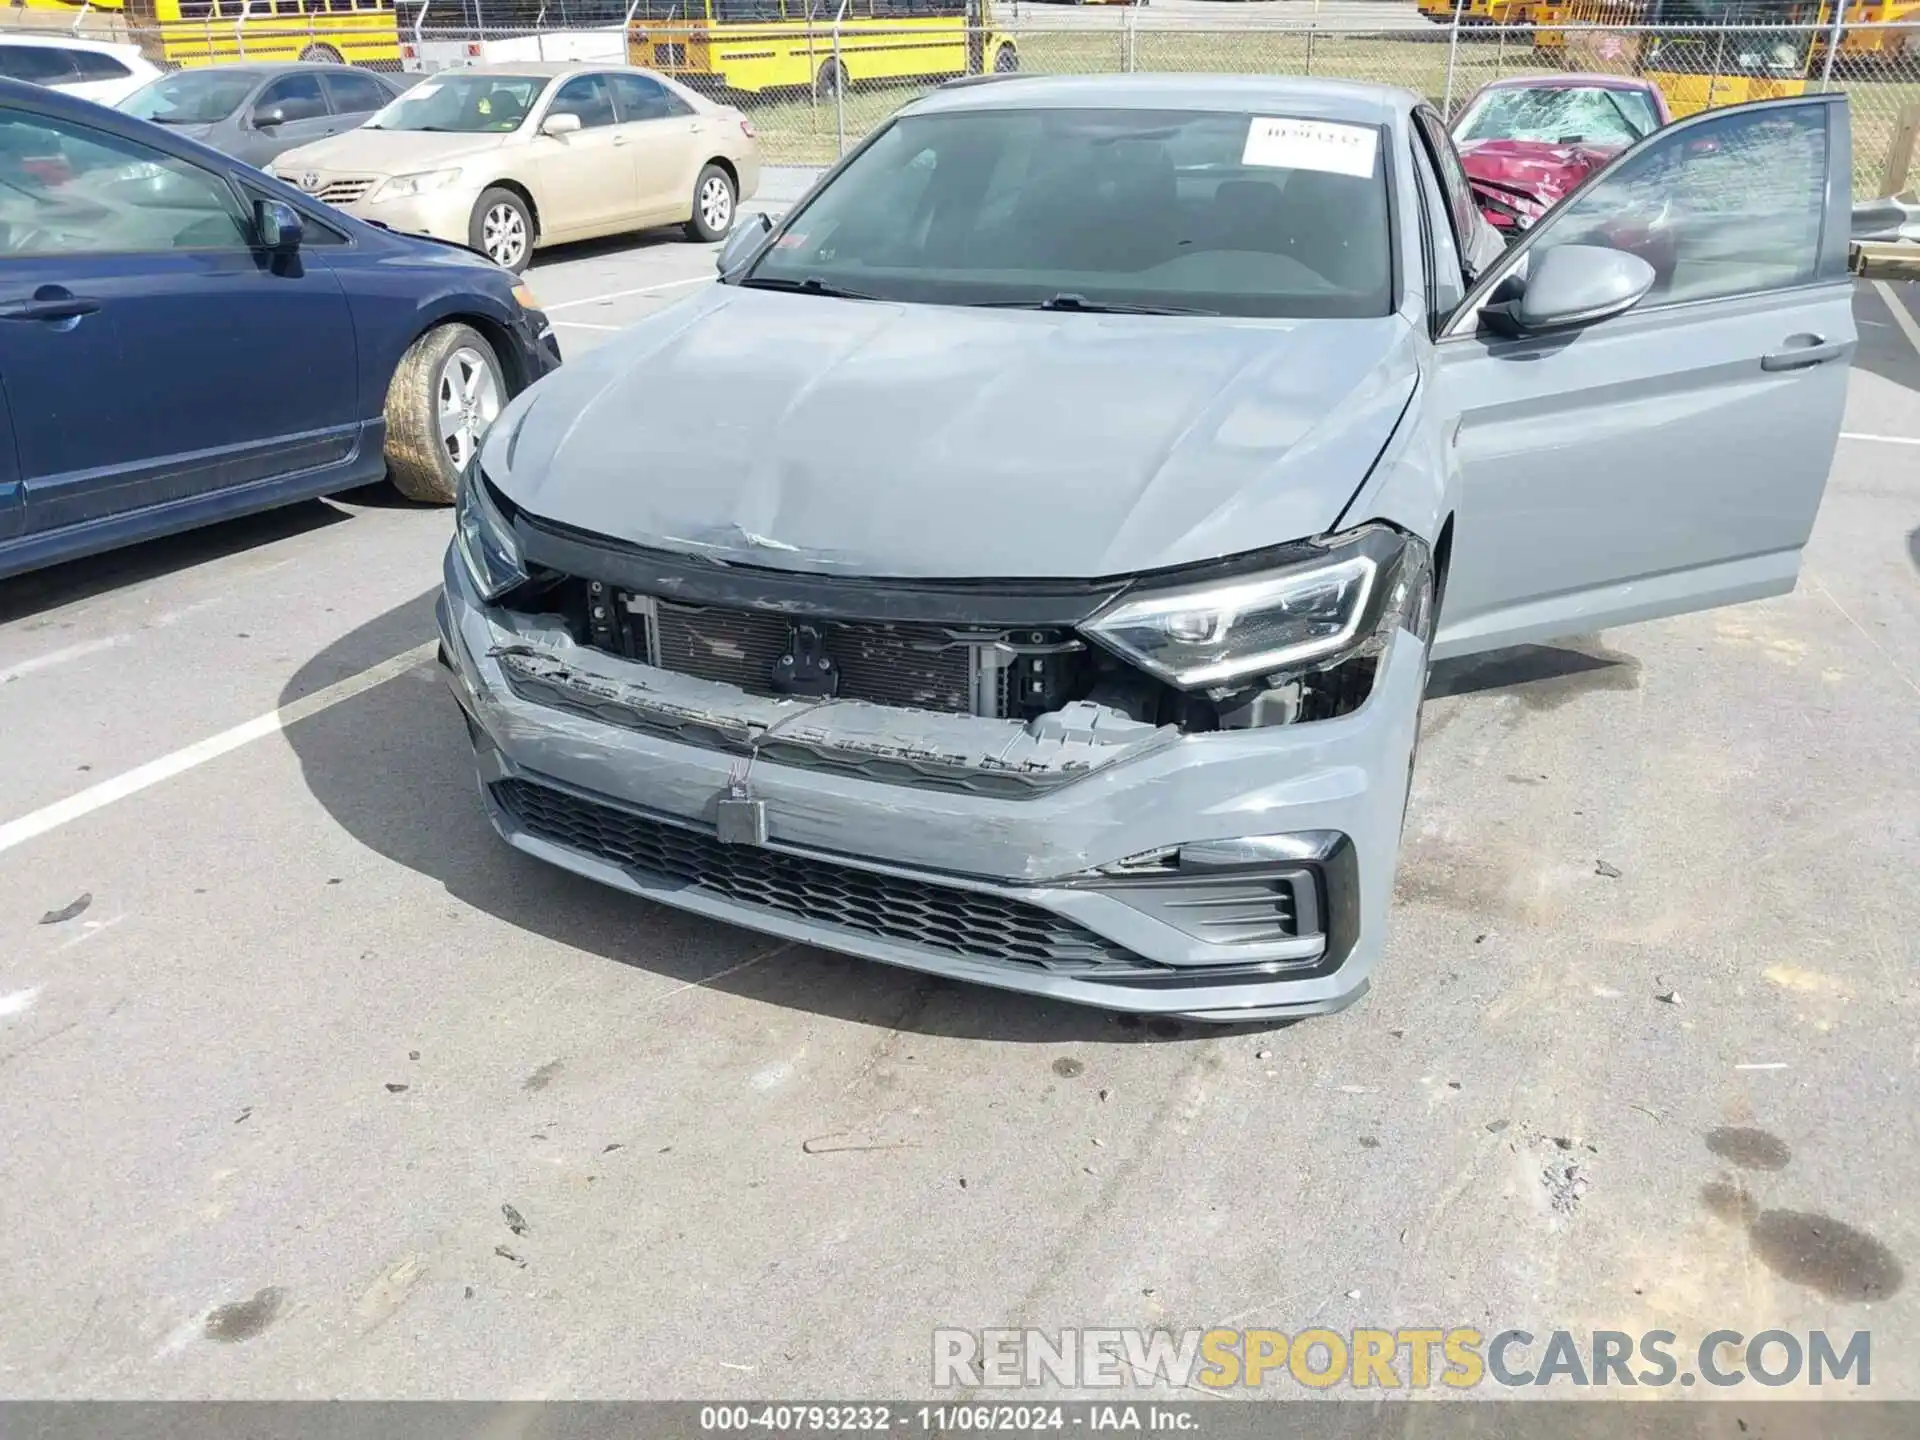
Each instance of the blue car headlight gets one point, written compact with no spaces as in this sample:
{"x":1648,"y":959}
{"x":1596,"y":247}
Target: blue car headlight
{"x":485,"y":537}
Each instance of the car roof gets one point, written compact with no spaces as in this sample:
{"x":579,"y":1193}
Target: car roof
{"x":65,"y":42}
{"x":1286,"y":95}
{"x":1581,"y":81}
{"x":544,"y":68}
{"x":264,"y":68}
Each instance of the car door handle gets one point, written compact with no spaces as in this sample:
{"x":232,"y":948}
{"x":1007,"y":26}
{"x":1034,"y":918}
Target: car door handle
{"x":57,"y":307}
{"x":621,"y":139}
{"x":1802,"y":352}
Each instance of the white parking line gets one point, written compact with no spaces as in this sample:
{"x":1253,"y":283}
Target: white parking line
{"x":1882,"y":439}
{"x":585,"y":325}
{"x":98,"y":797}
{"x":623,"y":294}
{"x":1901,"y":317}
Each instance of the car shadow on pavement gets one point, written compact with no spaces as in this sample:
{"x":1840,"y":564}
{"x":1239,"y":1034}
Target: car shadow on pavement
{"x":1885,"y":349}
{"x":91,"y":575}
{"x":394,"y":767}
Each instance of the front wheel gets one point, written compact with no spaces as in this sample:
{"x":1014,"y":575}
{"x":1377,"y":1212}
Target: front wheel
{"x":1006,"y":60}
{"x":321,"y":55}
{"x":713,"y":206}
{"x":502,"y":229}
{"x":445,"y":392}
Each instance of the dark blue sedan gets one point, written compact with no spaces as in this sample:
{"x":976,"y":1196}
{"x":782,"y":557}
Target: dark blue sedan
{"x":183,"y":339}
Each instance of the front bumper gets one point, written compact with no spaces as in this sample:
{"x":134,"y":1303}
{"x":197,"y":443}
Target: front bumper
{"x":443,"y":214}
{"x":607,"y":795}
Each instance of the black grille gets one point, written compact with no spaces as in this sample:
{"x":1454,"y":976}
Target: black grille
{"x":916,"y":666}
{"x":937,"y":917}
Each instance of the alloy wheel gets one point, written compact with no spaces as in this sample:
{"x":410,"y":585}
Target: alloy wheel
{"x":467,"y":403}
{"x":716,"y":204}
{"x":503,"y":232}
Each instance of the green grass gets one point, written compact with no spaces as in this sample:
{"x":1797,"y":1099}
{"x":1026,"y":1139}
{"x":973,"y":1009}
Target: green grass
{"x":796,"y":130}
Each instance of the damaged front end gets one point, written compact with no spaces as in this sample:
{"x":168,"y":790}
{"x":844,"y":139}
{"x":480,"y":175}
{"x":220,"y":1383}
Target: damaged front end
{"x":828,"y":670}
{"x":1061,"y":787}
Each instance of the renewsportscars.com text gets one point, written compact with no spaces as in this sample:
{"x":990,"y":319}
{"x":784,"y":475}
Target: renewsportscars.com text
{"x":1403,"y":1359}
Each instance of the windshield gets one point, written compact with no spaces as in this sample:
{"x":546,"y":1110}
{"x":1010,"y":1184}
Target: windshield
{"x":1588,"y":114}
{"x":191,"y":97}
{"x":463,"y":104}
{"x":1227,"y":213}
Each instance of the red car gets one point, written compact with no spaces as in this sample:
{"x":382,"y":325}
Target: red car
{"x":1529,"y":141}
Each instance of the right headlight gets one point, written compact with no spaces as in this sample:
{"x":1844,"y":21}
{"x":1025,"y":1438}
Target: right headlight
{"x":1227,"y":633}
{"x":485,"y":537}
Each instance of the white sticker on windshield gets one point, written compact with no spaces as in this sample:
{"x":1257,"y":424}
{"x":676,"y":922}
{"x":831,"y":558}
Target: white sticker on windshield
{"x":1311,"y":145}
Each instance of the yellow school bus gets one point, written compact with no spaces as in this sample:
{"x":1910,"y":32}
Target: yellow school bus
{"x":1757,"y":50}
{"x":1478,"y":12}
{"x":758,"y":45}
{"x":1881,"y":45}
{"x":211,"y":32}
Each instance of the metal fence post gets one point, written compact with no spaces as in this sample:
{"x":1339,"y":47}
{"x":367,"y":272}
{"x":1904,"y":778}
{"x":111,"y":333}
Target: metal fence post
{"x":1453,"y":51}
{"x":839,"y":88}
{"x":1313,"y":24}
{"x":1130,"y":56}
{"x":1833,"y":44}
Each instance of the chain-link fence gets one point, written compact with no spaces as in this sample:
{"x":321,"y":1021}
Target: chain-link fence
{"x":814,"y":87}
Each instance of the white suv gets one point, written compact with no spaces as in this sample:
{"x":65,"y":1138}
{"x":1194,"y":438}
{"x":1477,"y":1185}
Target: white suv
{"x":91,"y":69}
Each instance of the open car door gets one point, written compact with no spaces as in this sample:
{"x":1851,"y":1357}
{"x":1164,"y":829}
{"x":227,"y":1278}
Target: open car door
{"x":1669,"y":454}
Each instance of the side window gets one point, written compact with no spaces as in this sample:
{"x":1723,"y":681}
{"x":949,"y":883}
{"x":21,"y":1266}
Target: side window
{"x":1446,"y":276}
{"x":298,"y":96}
{"x":40,"y":64}
{"x":65,"y":189}
{"x":588,"y":97}
{"x":1728,"y":205}
{"x":356,"y":94}
{"x":644,"y":98}
{"x":93,"y":65}
{"x":1461,"y":207}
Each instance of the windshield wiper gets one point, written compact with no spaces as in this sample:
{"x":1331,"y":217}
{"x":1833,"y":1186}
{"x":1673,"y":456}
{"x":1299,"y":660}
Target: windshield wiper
{"x":1079,"y":304}
{"x":812,"y":285}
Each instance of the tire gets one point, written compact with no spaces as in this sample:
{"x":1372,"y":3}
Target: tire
{"x":449,"y":371}
{"x":714,"y":206}
{"x":1006,"y":60}
{"x":321,"y":55}
{"x":502,"y":229}
{"x":831,"y":81}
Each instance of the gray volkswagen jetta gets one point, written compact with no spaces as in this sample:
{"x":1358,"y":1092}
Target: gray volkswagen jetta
{"x":1024,"y":564}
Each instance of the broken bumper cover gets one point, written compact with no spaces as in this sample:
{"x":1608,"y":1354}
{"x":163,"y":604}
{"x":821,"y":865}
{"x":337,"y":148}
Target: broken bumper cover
{"x":876,"y":846}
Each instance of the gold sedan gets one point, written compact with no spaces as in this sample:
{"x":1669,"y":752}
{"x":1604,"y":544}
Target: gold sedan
{"x":507,"y":158}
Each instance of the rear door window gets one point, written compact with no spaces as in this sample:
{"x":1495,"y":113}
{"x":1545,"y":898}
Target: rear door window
{"x":93,"y":65}
{"x":643,"y":98}
{"x":356,"y":94}
{"x":39,"y":64}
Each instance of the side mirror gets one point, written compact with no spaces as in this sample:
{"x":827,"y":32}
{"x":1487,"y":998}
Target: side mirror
{"x":744,"y":243}
{"x":1572,"y":285}
{"x":278,"y":225}
{"x":557,"y":125}
{"x":270,"y":117}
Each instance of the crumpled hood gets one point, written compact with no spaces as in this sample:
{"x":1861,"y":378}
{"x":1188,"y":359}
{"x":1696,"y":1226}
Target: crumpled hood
{"x":1544,"y":170}
{"x":805,"y":433}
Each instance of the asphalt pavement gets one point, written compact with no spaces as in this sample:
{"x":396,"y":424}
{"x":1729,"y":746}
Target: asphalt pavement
{"x":283,"y":1028}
